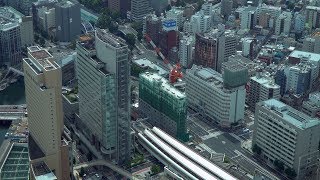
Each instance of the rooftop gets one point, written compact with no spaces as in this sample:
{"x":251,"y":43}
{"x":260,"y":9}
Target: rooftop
{"x":165,"y":84}
{"x":144,"y":62}
{"x":42,"y":171}
{"x":290,"y":115}
{"x":66,"y":4}
{"x":303,"y":54}
{"x":41,"y":58}
{"x":110,"y":39}
{"x":265,"y":81}
{"x":16,"y":164}
{"x":87,"y":41}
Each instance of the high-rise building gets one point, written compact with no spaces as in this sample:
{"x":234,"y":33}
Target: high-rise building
{"x":313,"y":17}
{"x":46,"y":18}
{"x":139,"y":9}
{"x":287,"y":136}
{"x":200,"y":23}
{"x":207,"y":8}
{"x":264,"y":20}
{"x":281,"y":79}
{"x":25,"y":23}
{"x":312,"y":43}
{"x":10,"y":40}
{"x":152,"y":26}
{"x":214,"y":48}
{"x":103,"y":78}
{"x":176,"y":14}
{"x":164,"y":104}
{"x":299,"y":23}
{"x":22,"y":6}
{"x":48,"y":144}
{"x":274,"y":11}
{"x":169,"y":36}
{"x":186,"y":50}
{"x":262,"y":87}
{"x":121,"y":6}
{"x":68,"y":20}
{"x":49,"y":4}
{"x":206,"y":50}
{"x":283,"y":23}
{"x":207,"y":94}
{"x":247,"y":47}
{"x":248,"y":18}
{"x":226,"y":7}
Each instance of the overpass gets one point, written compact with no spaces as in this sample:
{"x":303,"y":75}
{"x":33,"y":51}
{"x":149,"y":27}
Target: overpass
{"x":12,"y":112}
{"x":179,"y":158}
{"x":108,"y":164}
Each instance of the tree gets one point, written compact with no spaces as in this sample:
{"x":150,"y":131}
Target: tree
{"x":131,"y":40}
{"x":81,"y":173}
{"x":290,"y":172}
{"x":138,"y":26}
{"x":113,"y":28}
{"x":42,"y":41}
{"x":279,"y":165}
{"x":155,"y":169}
{"x":89,"y":156}
{"x":139,"y":35}
{"x":256,"y":149}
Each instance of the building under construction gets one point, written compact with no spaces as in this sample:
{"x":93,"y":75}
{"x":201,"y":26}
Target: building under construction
{"x":164,"y":104}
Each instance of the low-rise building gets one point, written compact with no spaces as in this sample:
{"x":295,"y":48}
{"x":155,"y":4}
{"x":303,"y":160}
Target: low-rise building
{"x":312,"y":106}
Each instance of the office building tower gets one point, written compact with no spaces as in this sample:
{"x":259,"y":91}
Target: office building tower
{"x":22,"y":6}
{"x":207,"y":94}
{"x":207,"y":8}
{"x":299,"y":23}
{"x":264,"y":20}
{"x":68,"y":20}
{"x":287,"y":136}
{"x":281,"y":79}
{"x":46,"y":18}
{"x":247,"y":47}
{"x":248,"y":18}
{"x":186,"y":50}
{"x":49,"y":4}
{"x":164,"y":104}
{"x":169,"y":36}
{"x":103,"y":78}
{"x":283,"y":24}
{"x":313,"y":17}
{"x":25,"y":23}
{"x":262,"y":9}
{"x":206,"y":50}
{"x":199,"y":23}
{"x":311,"y":107}
{"x":152,"y":27}
{"x":139,"y":9}
{"x":176,"y":14}
{"x":10,"y":41}
{"x":226,"y":7}
{"x":214,"y":48}
{"x":48,"y":144}
{"x":122,"y":6}
{"x":234,"y":74}
{"x":312,"y":43}
{"x":262,"y":87}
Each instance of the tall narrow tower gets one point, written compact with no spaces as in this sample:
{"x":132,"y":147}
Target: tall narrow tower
{"x":47,"y":145}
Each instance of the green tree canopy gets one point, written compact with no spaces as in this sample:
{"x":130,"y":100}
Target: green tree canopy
{"x":155,"y":169}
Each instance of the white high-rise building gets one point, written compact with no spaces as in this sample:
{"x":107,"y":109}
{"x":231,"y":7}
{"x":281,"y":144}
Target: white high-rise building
{"x":139,"y":9}
{"x":248,"y":18}
{"x":206,"y":93}
{"x":207,"y":8}
{"x":176,"y":14}
{"x":287,"y":136}
{"x":186,"y":50}
{"x":200,"y":23}
{"x":299,"y":22}
{"x":274,"y":11}
{"x":47,"y":18}
{"x":283,"y":24}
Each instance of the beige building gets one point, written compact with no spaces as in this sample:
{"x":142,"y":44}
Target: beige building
{"x":287,"y":135}
{"x":48,"y":145}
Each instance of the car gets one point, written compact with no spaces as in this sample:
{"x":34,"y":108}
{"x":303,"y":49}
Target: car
{"x":97,"y":175}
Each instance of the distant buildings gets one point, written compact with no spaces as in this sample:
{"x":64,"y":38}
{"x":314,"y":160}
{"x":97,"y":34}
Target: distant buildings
{"x":299,"y":23}
{"x":287,"y":136}
{"x":122,"y":6}
{"x":164,"y":104}
{"x":68,"y":20}
{"x":48,"y":144}
{"x":248,"y":18}
{"x":226,"y":7}
{"x":311,"y":107}
{"x":218,"y":98}
{"x":152,"y":25}
{"x":283,"y":24}
{"x":186,"y":50}
{"x":199,"y":23}
{"x":312,"y":43}
{"x":313,"y":17}
{"x":46,"y":19}
{"x":169,"y":36}
{"x":176,"y":14}
{"x":10,"y":38}
{"x":103,"y":78}
{"x":139,"y":9}
{"x":262,"y":87}
{"x":159,"y":6}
